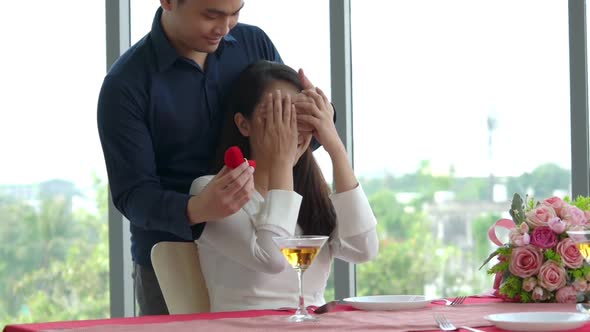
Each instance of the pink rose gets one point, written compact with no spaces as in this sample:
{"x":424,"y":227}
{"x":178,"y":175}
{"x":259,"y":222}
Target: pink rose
{"x":556,"y":203}
{"x":524,"y":228}
{"x":518,"y":239}
{"x":551,"y":276}
{"x":573,"y":216}
{"x":557,"y":225}
{"x":580,"y":284}
{"x":543,"y":237}
{"x":566,"y":294}
{"x":525,"y":261}
{"x":540,"y":216}
{"x":539,"y":294}
{"x":528,"y":284}
{"x":570,"y":255}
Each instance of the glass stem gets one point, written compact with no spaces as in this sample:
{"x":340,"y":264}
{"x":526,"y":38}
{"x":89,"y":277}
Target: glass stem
{"x":301,"y":309}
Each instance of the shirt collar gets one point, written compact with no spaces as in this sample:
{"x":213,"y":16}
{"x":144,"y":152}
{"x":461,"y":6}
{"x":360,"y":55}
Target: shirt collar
{"x":166,"y":54}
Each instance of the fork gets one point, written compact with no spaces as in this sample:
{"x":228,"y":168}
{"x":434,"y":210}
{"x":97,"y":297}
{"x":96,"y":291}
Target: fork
{"x":458,"y":300}
{"x":446,"y":325}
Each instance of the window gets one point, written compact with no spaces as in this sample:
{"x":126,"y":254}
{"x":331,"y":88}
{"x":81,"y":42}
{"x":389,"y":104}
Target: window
{"x":53,"y":192}
{"x":466,"y":103}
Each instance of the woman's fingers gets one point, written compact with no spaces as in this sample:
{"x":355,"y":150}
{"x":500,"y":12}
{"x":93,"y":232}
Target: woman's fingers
{"x":260,"y":117}
{"x":309,"y":121}
{"x":323,"y":95}
{"x":287,"y":109}
{"x":269,"y":111}
{"x":303,"y":126}
{"x":307,"y":107}
{"x":300,"y":97}
{"x":294,"y":118}
{"x":317,"y":98}
{"x":277,"y":105}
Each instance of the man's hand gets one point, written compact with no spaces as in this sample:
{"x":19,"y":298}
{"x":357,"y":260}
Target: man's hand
{"x":305,"y":82}
{"x":225,"y":195}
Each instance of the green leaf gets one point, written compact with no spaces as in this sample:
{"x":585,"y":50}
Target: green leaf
{"x":492,"y":255}
{"x":512,"y":287}
{"x":531,"y":204}
{"x":550,"y":254}
{"x":582,"y":203}
{"x":500,"y":267}
{"x":505,"y":251}
{"x":526,"y":297}
{"x":577,"y":273}
{"x":517,"y":209}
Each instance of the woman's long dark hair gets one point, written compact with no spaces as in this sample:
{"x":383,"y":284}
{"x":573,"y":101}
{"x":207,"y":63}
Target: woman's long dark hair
{"x":317,"y":215}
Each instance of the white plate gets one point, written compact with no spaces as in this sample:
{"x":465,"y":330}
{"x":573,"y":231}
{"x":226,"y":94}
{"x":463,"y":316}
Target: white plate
{"x":387,"y":302}
{"x":538,"y":321}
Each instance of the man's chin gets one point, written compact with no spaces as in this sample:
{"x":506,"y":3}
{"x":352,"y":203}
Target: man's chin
{"x":207,"y":49}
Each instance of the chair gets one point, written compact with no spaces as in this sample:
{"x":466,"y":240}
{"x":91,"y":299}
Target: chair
{"x":178,"y":270}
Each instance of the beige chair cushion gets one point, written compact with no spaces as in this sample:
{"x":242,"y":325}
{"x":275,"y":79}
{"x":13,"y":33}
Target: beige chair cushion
{"x":178,"y":270}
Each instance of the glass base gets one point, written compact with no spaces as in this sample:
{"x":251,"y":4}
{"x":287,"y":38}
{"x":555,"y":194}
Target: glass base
{"x":302,"y":317}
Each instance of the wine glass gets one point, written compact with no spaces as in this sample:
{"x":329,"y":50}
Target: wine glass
{"x":300,"y":252}
{"x":582,"y":240}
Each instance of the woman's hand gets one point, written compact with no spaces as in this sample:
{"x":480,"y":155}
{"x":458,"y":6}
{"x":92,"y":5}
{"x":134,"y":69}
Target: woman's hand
{"x":276,"y":139}
{"x":316,"y":112}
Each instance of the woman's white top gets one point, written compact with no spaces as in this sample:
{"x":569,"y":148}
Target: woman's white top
{"x":244,"y":269}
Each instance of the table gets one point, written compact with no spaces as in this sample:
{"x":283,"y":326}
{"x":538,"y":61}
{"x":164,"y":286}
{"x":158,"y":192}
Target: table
{"x":342,"y":310}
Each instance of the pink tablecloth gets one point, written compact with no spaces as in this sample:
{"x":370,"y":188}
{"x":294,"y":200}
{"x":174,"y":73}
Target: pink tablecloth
{"x":342,"y":319}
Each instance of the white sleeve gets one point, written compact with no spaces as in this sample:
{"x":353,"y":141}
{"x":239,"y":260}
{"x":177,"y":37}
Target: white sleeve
{"x":355,"y":237}
{"x":246,"y":236}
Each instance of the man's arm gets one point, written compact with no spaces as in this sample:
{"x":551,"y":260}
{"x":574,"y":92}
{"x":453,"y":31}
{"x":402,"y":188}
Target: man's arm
{"x":130,"y":160}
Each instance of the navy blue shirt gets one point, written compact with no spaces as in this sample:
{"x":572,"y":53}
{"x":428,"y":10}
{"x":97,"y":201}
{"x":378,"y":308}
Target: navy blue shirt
{"x":159,"y":118}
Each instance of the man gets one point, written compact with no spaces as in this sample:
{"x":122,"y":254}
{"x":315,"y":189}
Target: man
{"x":159,"y":116}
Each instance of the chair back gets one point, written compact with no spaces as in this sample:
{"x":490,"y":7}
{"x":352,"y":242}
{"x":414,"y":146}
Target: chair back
{"x":178,"y":270}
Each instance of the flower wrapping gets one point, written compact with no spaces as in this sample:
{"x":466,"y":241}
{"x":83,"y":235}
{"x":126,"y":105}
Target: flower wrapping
{"x":540,"y":263}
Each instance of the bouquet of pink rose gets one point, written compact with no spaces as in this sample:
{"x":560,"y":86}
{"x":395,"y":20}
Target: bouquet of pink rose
{"x":540,"y":263}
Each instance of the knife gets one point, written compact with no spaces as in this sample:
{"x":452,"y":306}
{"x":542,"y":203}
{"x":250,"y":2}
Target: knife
{"x":327,"y":307}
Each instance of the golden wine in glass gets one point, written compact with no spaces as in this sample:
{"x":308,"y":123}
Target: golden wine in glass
{"x":300,"y":251}
{"x":582,"y":240}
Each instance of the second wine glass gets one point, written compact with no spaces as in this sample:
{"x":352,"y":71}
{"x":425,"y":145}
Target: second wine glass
{"x":582,"y":240}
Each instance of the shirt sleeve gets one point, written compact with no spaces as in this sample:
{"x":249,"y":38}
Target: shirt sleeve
{"x":246,"y":236}
{"x":269,"y":50}
{"x":131,"y":167}
{"x":355,"y":236}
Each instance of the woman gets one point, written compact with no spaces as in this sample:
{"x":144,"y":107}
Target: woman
{"x":272,"y":120}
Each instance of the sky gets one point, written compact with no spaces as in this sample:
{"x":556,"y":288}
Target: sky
{"x":426,"y":75}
